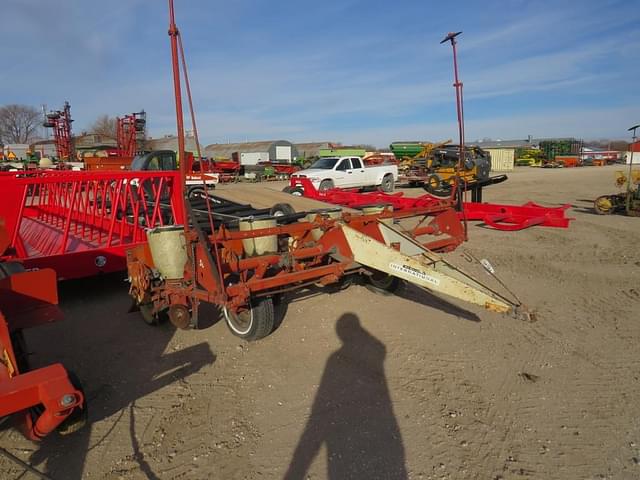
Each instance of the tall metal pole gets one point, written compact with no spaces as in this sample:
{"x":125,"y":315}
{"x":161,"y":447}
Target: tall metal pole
{"x":451,"y":37}
{"x":633,"y":141}
{"x":173,"y":35}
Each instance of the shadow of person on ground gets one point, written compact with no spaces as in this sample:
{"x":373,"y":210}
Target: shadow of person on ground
{"x":352,"y":414}
{"x":126,"y":361}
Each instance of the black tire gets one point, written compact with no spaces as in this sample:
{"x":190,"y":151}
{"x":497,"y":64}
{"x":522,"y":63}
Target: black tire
{"x":295,"y":191}
{"x":79,"y":417}
{"x":435,"y":186}
{"x":345,"y":282}
{"x":281,"y":209}
{"x":604,"y":205}
{"x":383,"y":283}
{"x":326,"y":185}
{"x":432,"y":183}
{"x":197,"y":192}
{"x":254,"y":323}
{"x":387,"y":184}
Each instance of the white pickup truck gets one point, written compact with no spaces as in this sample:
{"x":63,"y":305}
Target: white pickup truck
{"x":349,"y":172}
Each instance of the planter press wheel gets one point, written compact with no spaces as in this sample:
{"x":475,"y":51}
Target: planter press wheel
{"x":150,"y":318}
{"x":382,"y":283}
{"x":254,"y":323}
{"x":603,"y":205}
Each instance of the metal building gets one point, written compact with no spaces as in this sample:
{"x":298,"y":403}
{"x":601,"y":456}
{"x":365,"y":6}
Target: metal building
{"x":276,"y":151}
{"x":170,"y":142}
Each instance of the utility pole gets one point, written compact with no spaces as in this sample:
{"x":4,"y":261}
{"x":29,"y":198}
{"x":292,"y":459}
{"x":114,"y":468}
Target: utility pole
{"x":633,"y":141}
{"x":457,"y":84}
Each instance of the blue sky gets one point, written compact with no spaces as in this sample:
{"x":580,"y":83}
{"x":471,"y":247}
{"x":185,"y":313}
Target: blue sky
{"x":355,"y":71}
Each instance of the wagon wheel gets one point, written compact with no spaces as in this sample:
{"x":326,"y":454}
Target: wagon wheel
{"x":253,"y":323}
{"x":603,"y":205}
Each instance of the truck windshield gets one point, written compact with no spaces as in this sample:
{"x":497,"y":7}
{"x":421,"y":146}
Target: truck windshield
{"x":325,"y":163}
{"x":138,"y":163}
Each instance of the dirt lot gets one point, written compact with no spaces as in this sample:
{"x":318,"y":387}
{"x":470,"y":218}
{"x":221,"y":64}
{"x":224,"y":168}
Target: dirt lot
{"x":356,"y":385}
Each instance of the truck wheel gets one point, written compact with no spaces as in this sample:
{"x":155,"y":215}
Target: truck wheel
{"x":296,"y":191}
{"x":387,"y":183}
{"x":254,"y":323}
{"x":326,"y":185}
{"x":383,"y":283}
{"x":281,"y":209}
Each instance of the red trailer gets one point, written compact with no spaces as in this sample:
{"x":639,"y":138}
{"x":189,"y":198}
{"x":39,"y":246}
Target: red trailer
{"x":81,"y":223}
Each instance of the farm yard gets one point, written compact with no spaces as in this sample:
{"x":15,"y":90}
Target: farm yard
{"x":354,"y":384}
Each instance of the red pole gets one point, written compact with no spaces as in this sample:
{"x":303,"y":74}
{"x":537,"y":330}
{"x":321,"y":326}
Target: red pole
{"x":173,"y":35}
{"x":451,"y":37}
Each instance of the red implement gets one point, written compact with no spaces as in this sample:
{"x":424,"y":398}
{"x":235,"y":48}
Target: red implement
{"x":497,"y":216}
{"x":41,"y":399}
{"x":82,"y":223}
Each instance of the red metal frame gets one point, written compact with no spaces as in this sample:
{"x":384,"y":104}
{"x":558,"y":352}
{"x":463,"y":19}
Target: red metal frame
{"x":130,"y":129}
{"x":28,"y":299}
{"x":497,"y":216}
{"x":82,"y":223}
{"x":60,"y":122}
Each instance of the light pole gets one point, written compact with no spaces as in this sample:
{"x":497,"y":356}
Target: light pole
{"x":633,"y":141}
{"x":457,"y":84}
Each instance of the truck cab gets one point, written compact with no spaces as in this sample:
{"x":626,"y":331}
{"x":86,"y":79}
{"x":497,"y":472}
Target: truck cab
{"x":157,"y":160}
{"x":349,"y":172}
{"x":197,"y":182}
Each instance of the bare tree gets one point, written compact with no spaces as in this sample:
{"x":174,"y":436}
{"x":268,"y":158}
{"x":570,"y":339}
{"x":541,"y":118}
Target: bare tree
{"x":104,"y":125}
{"x":19,"y":123}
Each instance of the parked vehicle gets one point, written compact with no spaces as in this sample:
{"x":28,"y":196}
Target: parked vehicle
{"x":159,"y":160}
{"x":349,"y":172}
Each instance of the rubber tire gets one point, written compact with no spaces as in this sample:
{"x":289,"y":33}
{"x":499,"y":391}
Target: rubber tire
{"x":432,"y":183}
{"x":80,"y":415}
{"x":383,"y":283}
{"x":262,"y":321}
{"x":196,"y":192}
{"x":295,"y":191}
{"x":601,"y":211}
{"x":440,"y":190}
{"x":388,"y":183}
{"x":281,"y":209}
{"x":326,"y":185}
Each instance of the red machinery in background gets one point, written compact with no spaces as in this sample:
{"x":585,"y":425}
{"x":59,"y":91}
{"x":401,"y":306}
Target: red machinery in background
{"x":44,"y":399}
{"x":496,"y":216}
{"x":130,"y":132}
{"x":60,"y":121}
